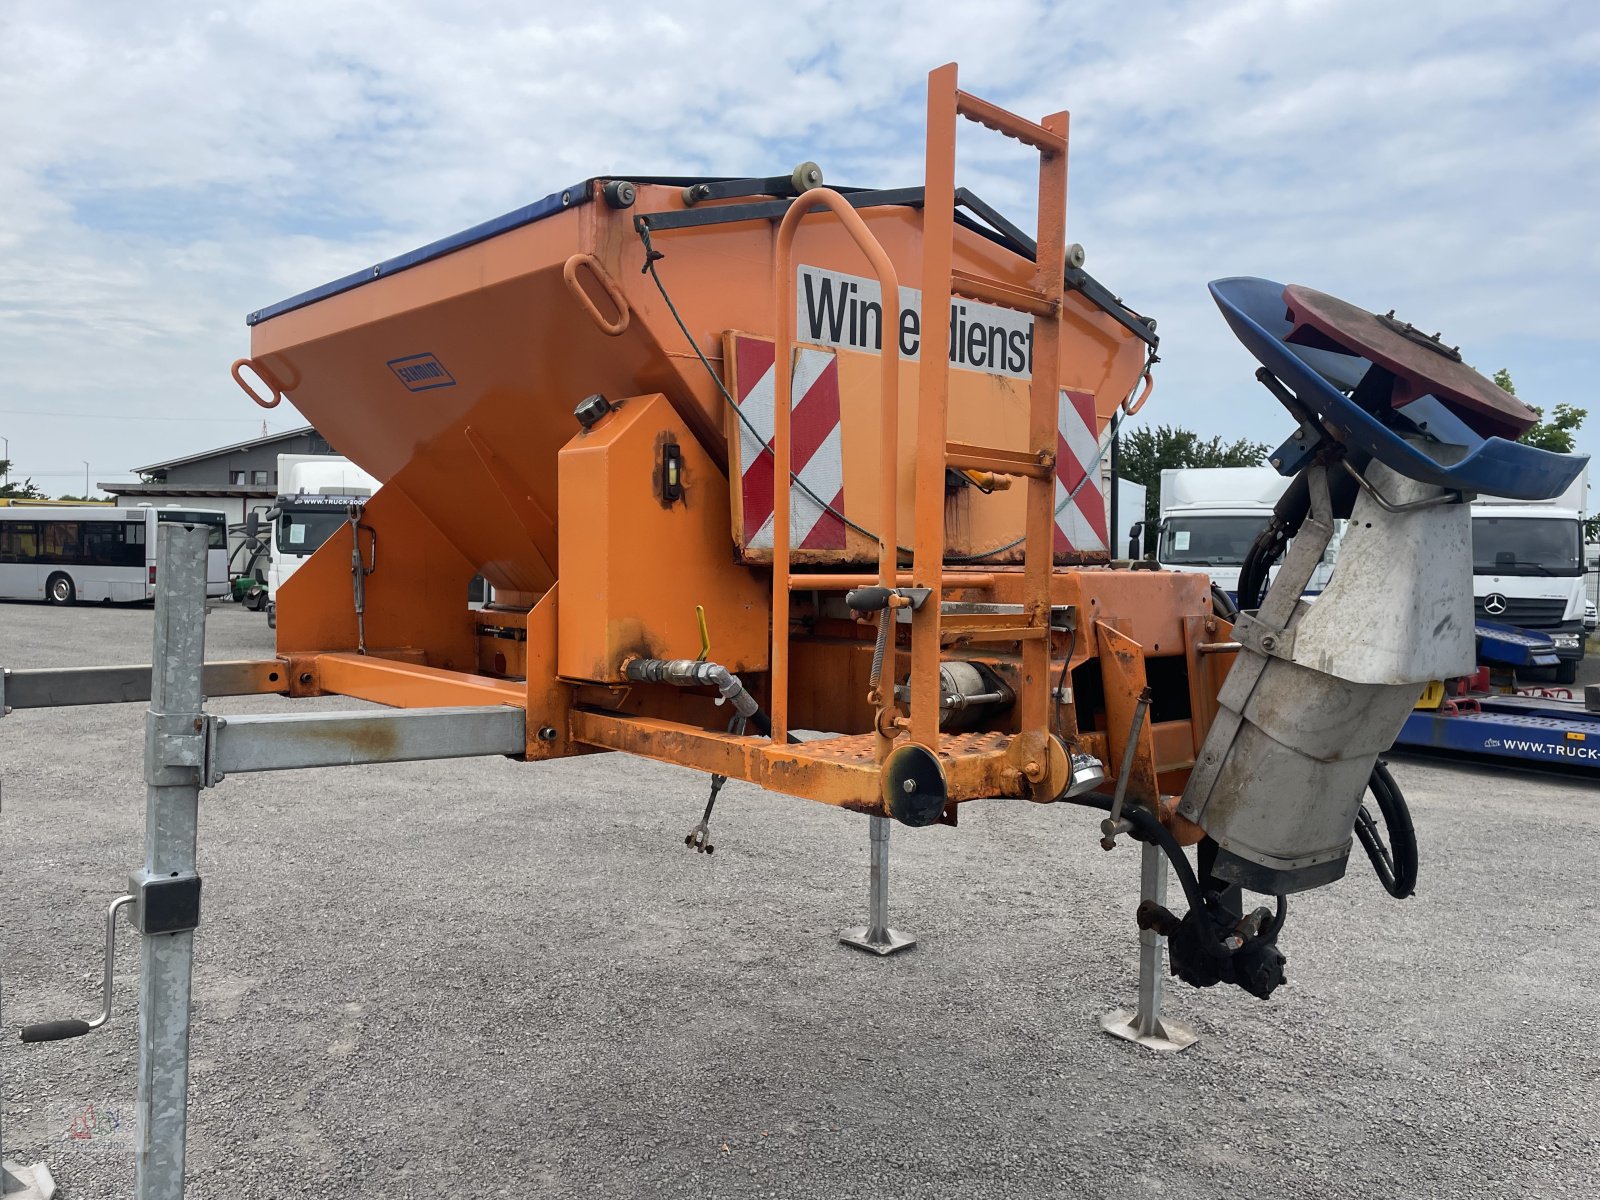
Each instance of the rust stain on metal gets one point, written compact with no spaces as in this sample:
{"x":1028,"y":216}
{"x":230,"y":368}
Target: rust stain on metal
{"x":375,"y":739}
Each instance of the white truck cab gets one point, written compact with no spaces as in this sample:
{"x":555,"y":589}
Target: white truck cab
{"x":1528,"y":568}
{"x":316,"y":492}
{"x":1210,"y":515}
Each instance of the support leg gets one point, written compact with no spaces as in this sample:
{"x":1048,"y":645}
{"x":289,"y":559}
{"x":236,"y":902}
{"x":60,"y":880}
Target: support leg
{"x":1145,"y":1025}
{"x":18,"y":1182}
{"x":876,"y":936}
{"x":174,"y":754}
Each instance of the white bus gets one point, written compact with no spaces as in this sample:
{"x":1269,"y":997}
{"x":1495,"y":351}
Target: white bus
{"x":65,"y":555}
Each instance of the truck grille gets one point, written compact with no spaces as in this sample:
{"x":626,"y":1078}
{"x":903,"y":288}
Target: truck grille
{"x":1528,"y":613}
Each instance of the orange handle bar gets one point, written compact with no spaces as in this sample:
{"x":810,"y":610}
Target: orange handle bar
{"x":1149,"y":386}
{"x":569,"y":272}
{"x":264,"y":375}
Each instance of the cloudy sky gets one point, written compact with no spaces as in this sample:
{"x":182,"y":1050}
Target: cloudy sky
{"x":168,"y":168}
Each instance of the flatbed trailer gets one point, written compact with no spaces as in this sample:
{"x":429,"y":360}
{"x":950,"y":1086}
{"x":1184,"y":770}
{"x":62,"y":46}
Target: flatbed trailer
{"x":1527,"y":729}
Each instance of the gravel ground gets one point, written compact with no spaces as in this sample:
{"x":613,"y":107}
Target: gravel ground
{"x":488,"y":979}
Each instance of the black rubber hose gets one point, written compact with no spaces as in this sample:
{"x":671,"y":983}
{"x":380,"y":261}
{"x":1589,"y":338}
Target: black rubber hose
{"x":1269,"y":544}
{"x":1147,"y":829}
{"x":1395,"y":864}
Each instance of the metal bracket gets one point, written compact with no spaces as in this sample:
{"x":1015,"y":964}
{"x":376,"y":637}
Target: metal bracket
{"x":1389,"y":506}
{"x":1263,"y":639}
{"x":1288,"y":458}
{"x":175,"y":748}
{"x":289,"y":741}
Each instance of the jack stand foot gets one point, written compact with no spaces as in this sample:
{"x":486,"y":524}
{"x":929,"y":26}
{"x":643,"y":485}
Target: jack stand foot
{"x":27,"y":1183}
{"x":1145,"y":1025}
{"x":876,"y":937}
{"x":1158,"y":1035}
{"x":882,"y":942}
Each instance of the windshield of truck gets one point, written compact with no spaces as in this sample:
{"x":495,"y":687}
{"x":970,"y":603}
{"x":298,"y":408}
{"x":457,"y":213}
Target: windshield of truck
{"x":1526,"y":546}
{"x":300,"y":533}
{"x":1209,"y":541}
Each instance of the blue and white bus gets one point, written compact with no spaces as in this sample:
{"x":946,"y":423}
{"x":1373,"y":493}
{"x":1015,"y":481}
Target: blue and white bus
{"x":68,"y":555}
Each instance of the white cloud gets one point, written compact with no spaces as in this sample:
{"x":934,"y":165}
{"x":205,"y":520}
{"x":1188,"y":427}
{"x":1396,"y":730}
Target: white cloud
{"x":168,"y":169}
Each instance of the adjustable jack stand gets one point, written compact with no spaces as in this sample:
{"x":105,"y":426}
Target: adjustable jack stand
{"x":876,"y":937}
{"x":18,"y":1182}
{"x":1145,"y":1025}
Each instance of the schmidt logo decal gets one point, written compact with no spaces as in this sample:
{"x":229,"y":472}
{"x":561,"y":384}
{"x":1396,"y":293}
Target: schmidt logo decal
{"x":1495,"y":604}
{"x":421,"y":372}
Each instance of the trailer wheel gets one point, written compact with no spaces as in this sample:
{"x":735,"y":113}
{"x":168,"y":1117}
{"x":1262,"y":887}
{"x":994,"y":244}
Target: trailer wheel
{"x":58,"y":589}
{"x":1567,"y":671}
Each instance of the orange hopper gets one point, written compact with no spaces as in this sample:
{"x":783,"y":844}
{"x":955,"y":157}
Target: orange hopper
{"x":579,"y":401}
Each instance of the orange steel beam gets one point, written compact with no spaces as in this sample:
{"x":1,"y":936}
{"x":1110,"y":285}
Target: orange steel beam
{"x":938,"y":236}
{"x":411,"y":685}
{"x":1044,"y":425}
{"x":996,"y":291}
{"x":848,"y":777}
{"x":1046,"y":139}
{"x":671,"y":742}
{"x":842,"y":583}
{"x":889,"y":358}
{"x":1000,"y":462}
{"x":853,"y":785}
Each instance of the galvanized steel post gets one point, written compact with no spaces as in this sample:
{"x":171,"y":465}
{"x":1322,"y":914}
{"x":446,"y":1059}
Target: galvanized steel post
{"x":174,"y":759}
{"x":876,"y":936}
{"x":1144,"y":1024}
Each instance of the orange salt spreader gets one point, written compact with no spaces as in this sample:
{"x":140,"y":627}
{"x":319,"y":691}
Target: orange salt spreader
{"x":579,"y":401}
{"x":802,"y":487}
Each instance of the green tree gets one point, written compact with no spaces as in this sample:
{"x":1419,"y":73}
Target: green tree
{"x":1143,"y":454}
{"x":1554,"y":434}
{"x":12,"y":490}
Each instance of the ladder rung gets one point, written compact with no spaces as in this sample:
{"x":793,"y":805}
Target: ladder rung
{"x":1006,"y":295}
{"x":992,"y":116}
{"x":1001,"y":462}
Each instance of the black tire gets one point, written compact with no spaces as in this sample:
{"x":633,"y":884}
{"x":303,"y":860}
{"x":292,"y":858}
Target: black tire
{"x":1567,"y":671}
{"x":59,"y":589}
{"x":272,"y":616}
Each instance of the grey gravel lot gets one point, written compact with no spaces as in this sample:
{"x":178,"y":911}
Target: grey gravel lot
{"x":488,"y":979}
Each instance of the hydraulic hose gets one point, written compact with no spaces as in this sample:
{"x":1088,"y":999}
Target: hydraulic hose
{"x":691,"y":672}
{"x":1287,"y":517}
{"x":1395,"y":864}
{"x":1147,"y":829}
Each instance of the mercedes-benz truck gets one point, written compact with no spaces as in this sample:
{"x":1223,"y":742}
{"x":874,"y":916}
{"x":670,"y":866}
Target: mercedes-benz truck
{"x":1528,"y":567}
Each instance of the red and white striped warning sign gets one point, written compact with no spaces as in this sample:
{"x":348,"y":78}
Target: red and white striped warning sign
{"x":1081,"y":521}
{"x":816,"y":445}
